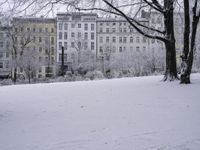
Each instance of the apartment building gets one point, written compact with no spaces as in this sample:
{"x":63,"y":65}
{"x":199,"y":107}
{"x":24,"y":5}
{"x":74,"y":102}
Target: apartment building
{"x":35,"y":39}
{"x":115,"y":36}
{"x":76,"y":32}
{"x":5,"y":50}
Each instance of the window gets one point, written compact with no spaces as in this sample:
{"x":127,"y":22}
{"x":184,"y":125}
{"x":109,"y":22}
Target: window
{"x":107,"y":23}
{"x":120,"y":29}
{"x":131,"y":48}
{"x":28,"y":29}
{"x":40,"y":49}
{"x":52,"y":50}
{"x":79,"y":34}
{"x":120,"y":49}
{"x":60,"y":45}
{"x":65,"y":45}
{"x":107,"y":30}
{"x":101,"y":39}
{"x":46,"y":40}
{"x":144,"y":48}
{"x":138,"y":39}
{"x":72,"y":44}
{"x":92,"y":36}
{"x":114,"y":49}
{"x":86,"y":36}
{"x":120,"y":39}
{"x":60,"y":35}
{"x":73,"y":56}
{"x":114,"y":39}
{"x":144,"y":40}
{"x":113,"y":30}
{"x":72,"y":25}
{"x":7,"y":44}
{"x":72,"y":34}
{"x":7,"y":54}
{"x":40,"y":59}
{"x":46,"y":50}
{"x":34,"y":39}
{"x":46,"y":30}
{"x":60,"y":26}
{"x":107,"y":39}
{"x":1,"y":35}
{"x":65,"y":35}
{"x":100,"y":30}
{"x":65,"y":26}
{"x":101,"y":49}
{"x":1,"y":44}
{"x":85,"y":45}
{"x":131,"y":39}
{"x":114,"y":24}
{"x":7,"y":64}
{"x":1,"y":65}
{"x":92,"y":45}
{"x":52,"y":30}
{"x":92,"y":27}
{"x":40,"y":30}
{"x":52,"y":40}
{"x":124,"y":40}
{"x":124,"y":30}
{"x":40,"y":39}
{"x":137,"y":48}
{"x":79,"y":25}
{"x":86,"y":27}
{"x":1,"y":55}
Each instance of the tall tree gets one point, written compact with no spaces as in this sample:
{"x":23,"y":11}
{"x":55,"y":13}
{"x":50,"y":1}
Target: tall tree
{"x":189,"y":45}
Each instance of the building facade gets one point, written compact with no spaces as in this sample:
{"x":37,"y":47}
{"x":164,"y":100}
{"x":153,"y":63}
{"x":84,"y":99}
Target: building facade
{"x":5,"y":52}
{"x":115,"y":36}
{"x":35,"y":45}
{"x":76,"y":32}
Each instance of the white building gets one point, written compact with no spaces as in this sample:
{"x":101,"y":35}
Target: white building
{"x":115,"y":36}
{"x":76,"y":32}
{"x":5,"y":49}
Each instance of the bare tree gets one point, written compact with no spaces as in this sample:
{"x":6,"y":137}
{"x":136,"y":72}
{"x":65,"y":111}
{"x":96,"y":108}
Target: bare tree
{"x":189,"y":45}
{"x":20,"y":41}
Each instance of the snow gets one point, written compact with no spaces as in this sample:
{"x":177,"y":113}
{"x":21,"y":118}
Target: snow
{"x":121,"y":114}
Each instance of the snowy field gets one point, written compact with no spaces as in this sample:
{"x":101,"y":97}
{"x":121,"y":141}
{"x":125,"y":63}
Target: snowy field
{"x":120,"y":114}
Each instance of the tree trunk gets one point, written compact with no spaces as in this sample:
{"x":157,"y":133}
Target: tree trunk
{"x":15,"y":75}
{"x":171,"y":69}
{"x":188,"y":52}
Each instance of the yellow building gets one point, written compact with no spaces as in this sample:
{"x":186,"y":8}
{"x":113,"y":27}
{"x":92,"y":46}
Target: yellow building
{"x":34,"y":45}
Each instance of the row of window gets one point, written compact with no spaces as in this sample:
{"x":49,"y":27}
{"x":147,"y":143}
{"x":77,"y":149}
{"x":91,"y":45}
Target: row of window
{"x":122,"y":39}
{"x":2,"y":54}
{"x":34,"y":39}
{"x":121,"y":49}
{"x":40,"y":29}
{"x":2,"y":44}
{"x":78,"y":45}
{"x":65,"y":26}
{"x":4,"y":65}
{"x":79,"y":35}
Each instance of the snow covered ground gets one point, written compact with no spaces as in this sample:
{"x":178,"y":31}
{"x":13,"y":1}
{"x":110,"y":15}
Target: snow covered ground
{"x":120,"y":114}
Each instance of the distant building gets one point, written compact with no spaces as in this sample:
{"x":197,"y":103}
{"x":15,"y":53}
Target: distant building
{"x":76,"y":32}
{"x":116,"y":35}
{"x":36,"y":36}
{"x":5,"y":52}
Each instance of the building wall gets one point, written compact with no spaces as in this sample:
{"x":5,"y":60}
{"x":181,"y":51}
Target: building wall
{"x":115,"y":35}
{"x":76,"y":32}
{"x":41,"y":33}
{"x":5,"y":47}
